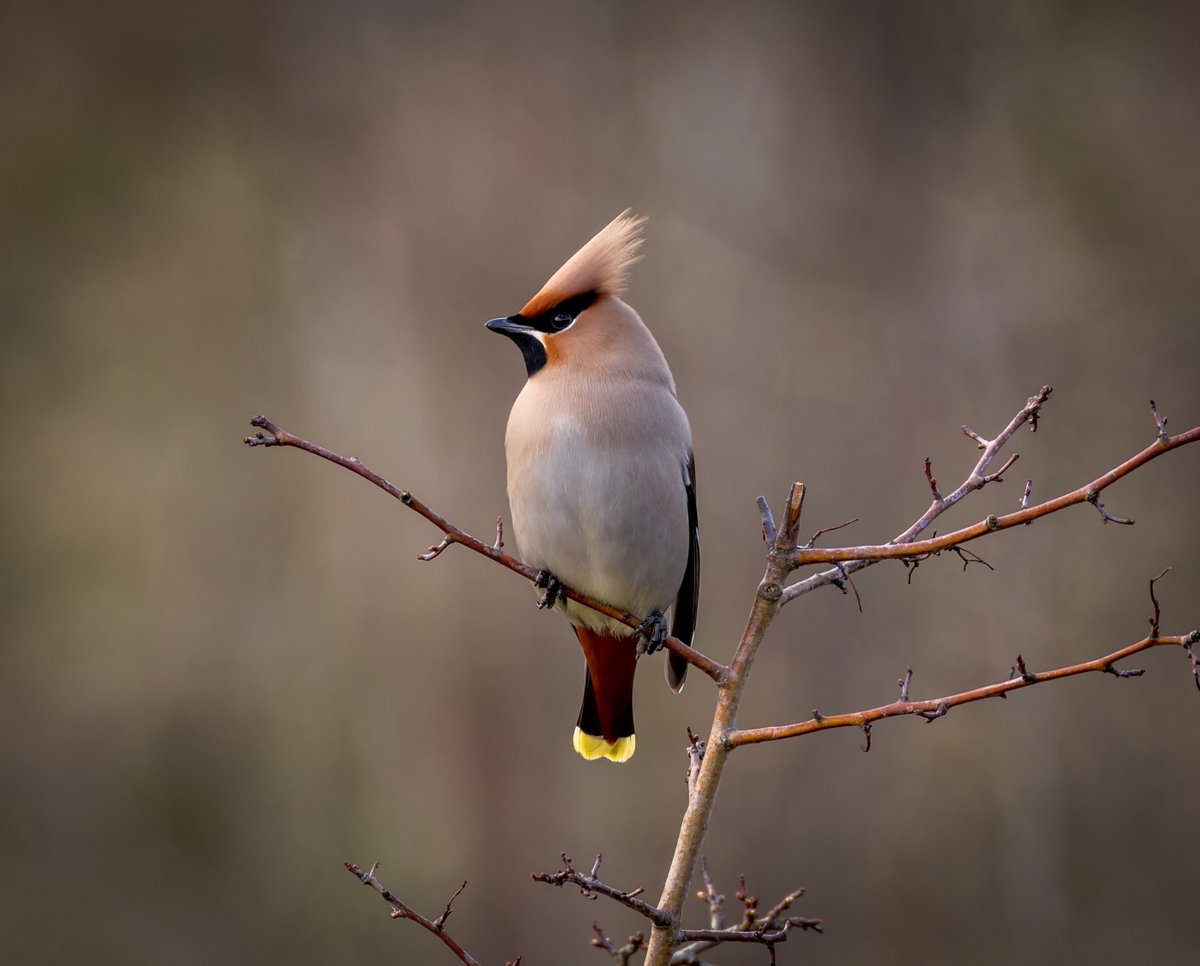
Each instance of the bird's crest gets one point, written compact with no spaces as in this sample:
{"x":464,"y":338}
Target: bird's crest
{"x":600,"y":266}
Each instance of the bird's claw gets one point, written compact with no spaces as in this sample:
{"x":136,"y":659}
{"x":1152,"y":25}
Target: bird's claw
{"x":656,"y":624}
{"x":553,"y":587}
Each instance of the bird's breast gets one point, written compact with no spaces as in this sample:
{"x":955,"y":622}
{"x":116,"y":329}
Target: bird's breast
{"x":598,"y":497}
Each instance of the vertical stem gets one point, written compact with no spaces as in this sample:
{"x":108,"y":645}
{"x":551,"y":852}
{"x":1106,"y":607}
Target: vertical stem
{"x":702,"y":796}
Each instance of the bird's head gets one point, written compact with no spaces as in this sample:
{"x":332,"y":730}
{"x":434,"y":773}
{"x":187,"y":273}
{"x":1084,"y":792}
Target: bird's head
{"x":578,"y":317}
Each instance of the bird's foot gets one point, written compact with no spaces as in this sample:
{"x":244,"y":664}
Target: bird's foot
{"x":553,"y":587}
{"x":656,"y":625}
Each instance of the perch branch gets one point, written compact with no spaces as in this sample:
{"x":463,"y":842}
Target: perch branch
{"x":270,"y":434}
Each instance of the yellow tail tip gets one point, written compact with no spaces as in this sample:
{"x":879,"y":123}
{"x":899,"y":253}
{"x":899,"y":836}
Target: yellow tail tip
{"x":593,"y":747}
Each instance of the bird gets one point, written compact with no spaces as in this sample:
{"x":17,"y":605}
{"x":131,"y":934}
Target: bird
{"x":601,"y":477}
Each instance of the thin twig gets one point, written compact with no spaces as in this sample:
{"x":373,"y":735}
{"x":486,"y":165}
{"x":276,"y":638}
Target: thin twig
{"x":621,"y":954}
{"x":766,"y":930}
{"x":816,"y":536}
{"x":401,"y":910}
{"x":932,"y":480}
{"x":590,"y":886}
{"x":856,"y":558}
{"x":937,"y":707}
{"x":1154,"y":600}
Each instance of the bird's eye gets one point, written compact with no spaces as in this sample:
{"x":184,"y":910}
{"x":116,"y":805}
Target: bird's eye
{"x":562,"y":320}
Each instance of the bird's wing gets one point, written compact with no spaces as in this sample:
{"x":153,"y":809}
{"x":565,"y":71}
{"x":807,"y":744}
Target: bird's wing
{"x":683,"y":618}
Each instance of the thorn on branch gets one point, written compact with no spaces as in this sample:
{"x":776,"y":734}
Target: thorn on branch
{"x":499,"y":544}
{"x":813,"y":539}
{"x":1136,"y":672}
{"x":1154,"y":600}
{"x":966,"y":556}
{"x":769,"y":530}
{"x":401,"y":910}
{"x":817,"y":716}
{"x":904,"y":683}
{"x":1020,"y":669}
{"x":932,"y":480}
{"x":969,"y":557}
{"x":1159,"y":421}
{"x":440,"y":921}
{"x":1093,"y":497}
{"x":866,"y":731}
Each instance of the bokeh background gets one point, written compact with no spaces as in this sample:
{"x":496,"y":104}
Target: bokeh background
{"x":224,"y":672}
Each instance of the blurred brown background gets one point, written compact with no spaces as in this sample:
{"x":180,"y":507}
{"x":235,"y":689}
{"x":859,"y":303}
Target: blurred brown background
{"x":224,"y":671}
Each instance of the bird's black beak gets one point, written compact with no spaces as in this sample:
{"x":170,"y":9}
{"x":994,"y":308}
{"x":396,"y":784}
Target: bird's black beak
{"x":509,"y":326}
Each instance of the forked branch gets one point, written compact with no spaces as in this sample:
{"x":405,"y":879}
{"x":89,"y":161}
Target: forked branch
{"x":906,"y":545}
{"x":402,"y":910}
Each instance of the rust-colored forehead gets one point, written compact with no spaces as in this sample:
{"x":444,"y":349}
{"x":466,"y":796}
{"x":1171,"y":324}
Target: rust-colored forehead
{"x":600,"y":266}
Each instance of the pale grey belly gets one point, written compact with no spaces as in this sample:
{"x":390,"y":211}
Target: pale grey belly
{"x":611,"y":526}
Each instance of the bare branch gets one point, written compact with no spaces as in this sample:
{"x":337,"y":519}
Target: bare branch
{"x":272,"y":435}
{"x":856,"y":558}
{"x":975,"y":480}
{"x":590,"y":886}
{"x":440,"y":921}
{"x":1154,"y":600}
{"x":937,"y":707}
{"x":401,"y":910}
{"x":622,"y":954}
{"x":765,"y":930}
